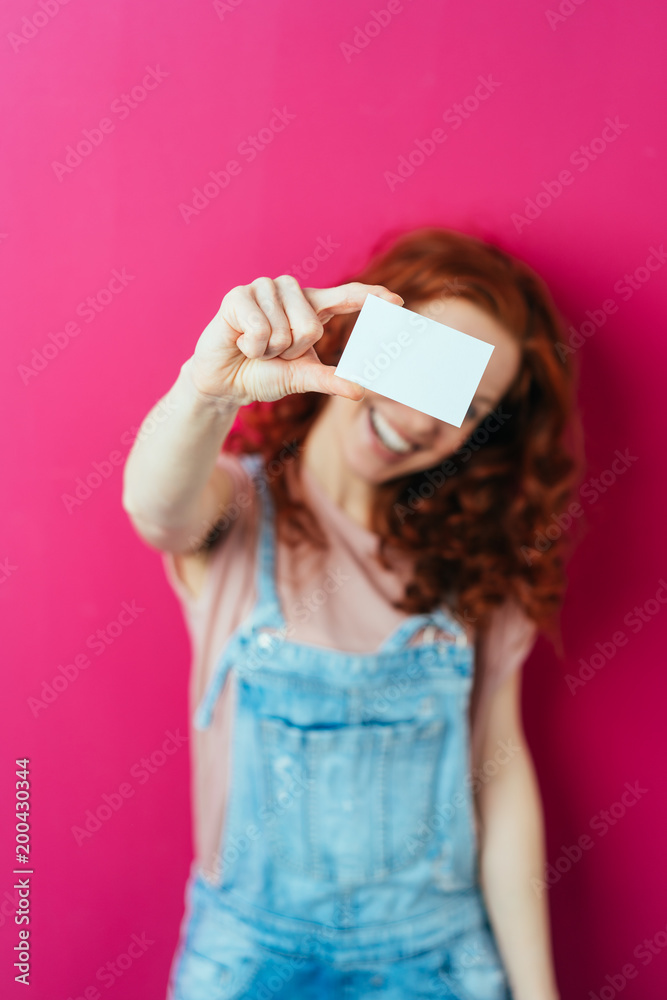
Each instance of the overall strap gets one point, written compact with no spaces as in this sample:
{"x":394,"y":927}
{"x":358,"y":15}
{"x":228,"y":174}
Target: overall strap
{"x":266,"y":610}
{"x":204,"y":713}
{"x":439,"y":617}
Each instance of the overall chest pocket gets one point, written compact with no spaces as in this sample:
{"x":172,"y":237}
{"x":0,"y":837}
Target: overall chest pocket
{"x":343,"y":801}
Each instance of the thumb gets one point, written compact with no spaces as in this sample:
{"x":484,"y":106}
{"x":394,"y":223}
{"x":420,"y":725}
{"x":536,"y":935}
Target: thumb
{"x":337,"y":386}
{"x":310,"y":375}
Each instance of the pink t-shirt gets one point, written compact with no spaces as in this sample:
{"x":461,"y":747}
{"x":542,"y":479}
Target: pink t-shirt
{"x":356,"y":616}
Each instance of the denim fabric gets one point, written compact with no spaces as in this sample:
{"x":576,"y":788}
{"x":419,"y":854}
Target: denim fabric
{"x":349,"y":852}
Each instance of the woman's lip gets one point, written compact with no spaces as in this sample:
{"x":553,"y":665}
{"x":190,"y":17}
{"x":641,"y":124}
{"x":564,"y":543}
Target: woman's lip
{"x":401,"y":433}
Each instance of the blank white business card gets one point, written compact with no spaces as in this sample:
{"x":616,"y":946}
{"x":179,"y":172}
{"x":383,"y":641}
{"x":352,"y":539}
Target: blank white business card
{"x":414,"y":360}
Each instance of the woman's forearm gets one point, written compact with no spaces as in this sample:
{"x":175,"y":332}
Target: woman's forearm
{"x":512,"y":862}
{"x":168,"y":470}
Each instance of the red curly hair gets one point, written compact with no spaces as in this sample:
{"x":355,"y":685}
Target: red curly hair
{"x":475,"y":534}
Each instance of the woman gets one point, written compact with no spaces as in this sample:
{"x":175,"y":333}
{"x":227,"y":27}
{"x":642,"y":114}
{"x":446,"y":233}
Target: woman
{"x":362,"y":584}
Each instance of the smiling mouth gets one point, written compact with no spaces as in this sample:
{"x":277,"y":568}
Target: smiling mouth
{"x":389,"y":436}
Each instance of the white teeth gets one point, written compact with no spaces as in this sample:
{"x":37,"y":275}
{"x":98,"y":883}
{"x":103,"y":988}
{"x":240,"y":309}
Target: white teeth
{"x":389,"y":437}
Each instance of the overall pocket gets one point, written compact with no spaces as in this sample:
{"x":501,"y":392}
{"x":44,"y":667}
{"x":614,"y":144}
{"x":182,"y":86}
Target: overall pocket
{"x":472,"y":968}
{"x":217,"y":959}
{"x":343,"y":800}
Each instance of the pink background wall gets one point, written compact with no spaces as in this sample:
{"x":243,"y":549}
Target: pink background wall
{"x":219,"y":74}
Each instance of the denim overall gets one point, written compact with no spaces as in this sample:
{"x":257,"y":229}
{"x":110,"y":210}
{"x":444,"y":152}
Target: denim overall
{"x":349,"y":852}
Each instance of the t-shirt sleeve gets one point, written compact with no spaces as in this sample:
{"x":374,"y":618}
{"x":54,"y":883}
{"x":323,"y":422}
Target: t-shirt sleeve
{"x":238,"y":512}
{"x":508,"y":642}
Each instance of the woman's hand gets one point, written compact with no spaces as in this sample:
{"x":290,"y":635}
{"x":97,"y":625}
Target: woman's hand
{"x":259,"y":346}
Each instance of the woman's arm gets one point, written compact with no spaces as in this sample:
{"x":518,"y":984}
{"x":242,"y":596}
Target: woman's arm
{"x":512,"y":851}
{"x":173,"y":491}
